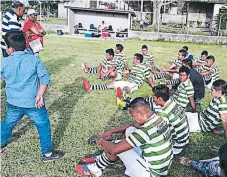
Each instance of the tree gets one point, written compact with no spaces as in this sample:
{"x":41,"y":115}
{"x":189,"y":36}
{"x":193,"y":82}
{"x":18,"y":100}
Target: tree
{"x":157,"y":5}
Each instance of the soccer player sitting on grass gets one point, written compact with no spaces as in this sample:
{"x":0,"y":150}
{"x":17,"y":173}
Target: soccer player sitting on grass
{"x":209,"y":71}
{"x":149,"y":59}
{"x":119,"y":54}
{"x":172,"y":111}
{"x":108,"y":69}
{"x":146,"y":148}
{"x":173,"y":70}
{"x":210,"y":167}
{"x":26,"y":81}
{"x":197,"y":82}
{"x":202,"y":60}
{"x":214,"y":114}
{"x":139,"y":73}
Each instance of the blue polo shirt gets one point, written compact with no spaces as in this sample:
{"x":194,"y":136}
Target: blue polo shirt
{"x":23,"y":73}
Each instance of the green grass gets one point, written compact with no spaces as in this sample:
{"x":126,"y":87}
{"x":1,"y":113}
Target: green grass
{"x":75,"y":115}
{"x":54,"y":20}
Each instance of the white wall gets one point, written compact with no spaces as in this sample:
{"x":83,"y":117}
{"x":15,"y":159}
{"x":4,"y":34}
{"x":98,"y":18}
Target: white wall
{"x":176,"y":19}
{"x":62,"y":11}
{"x":87,"y":18}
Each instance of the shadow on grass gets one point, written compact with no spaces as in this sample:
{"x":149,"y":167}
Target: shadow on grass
{"x":65,"y":106}
{"x":54,"y":66}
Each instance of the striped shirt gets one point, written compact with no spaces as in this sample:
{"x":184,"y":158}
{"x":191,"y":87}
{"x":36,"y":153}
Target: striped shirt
{"x":177,"y":63}
{"x":210,"y":118}
{"x":152,"y":105}
{"x":148,"y":59}
{"x":10,"y":22}
{"x":183,"y":92}
{"x":154,"y":138}
{"x":139,"y":73}
{"x":107,"y":64}
{"x":213,"y":69}
{"x":199,"y":61}
{"x":178,"y":124}
{"x":121,"y":56}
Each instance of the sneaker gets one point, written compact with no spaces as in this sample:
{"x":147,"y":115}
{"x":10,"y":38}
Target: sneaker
{"x":53,"y":156}
{"x":91,"y":159}
{"x":219,"y":132}
{"x":3,"y":148}
{"x":84,"y":68}
{"x":119,"y":93}
{"x":88,"y":170}
{"x":86,"y":85}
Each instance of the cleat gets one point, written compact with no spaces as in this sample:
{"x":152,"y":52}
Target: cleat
{"x":91,"y":159}
{"x":84,"y":170}
{"x":53,"y":156}
{"x":86,"y":85}
{"x":219,"y":132}
{"x":119,"y":93}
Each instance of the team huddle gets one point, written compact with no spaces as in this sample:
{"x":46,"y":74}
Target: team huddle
{"x":163,"y":121}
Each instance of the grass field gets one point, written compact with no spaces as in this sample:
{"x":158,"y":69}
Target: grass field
{"x":75,"y":115}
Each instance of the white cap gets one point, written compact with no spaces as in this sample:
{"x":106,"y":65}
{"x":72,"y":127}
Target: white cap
{"x":24,"y":2}
{"x":31,"y":11}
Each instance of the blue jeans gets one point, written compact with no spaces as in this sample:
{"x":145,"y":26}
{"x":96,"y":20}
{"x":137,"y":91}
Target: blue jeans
{"x":39,"y":118}
{"x":4,"y":53}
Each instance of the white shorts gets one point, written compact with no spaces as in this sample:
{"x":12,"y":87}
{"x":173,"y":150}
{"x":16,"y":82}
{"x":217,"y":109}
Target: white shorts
{"x":122,"y":84}
{"x":135,"y":165}
{"x":119,"y":77}
{"x":193,"y":122}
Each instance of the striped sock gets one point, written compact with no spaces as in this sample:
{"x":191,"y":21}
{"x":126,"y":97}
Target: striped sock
{"x":93,"y":70}
{"x":103,"y":161}
{"x":98,"y":87}
{"x":160,"y":75}
{"x":170,"y":82}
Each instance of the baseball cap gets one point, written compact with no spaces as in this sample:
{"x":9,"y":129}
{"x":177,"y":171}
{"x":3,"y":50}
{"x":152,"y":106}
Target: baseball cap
{"x":24,"y":2}
{"x":31,"y":11}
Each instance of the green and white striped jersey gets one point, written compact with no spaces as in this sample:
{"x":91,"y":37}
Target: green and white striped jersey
{"x":178,"y":124}
{"x":210,"y":118}
{"x":107,"y":64}
{"x":154,"y":138}
{"x":214,"y":72}
{"x":148,"y":59}
{"x":183,"y":92}
{"x":139,"y":73}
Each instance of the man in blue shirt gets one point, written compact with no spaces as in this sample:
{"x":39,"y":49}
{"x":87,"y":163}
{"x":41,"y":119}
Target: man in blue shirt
{"x":26,"y":81}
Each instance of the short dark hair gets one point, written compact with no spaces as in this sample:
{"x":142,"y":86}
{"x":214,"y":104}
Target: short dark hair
{"x":144,"y":47}
{"x":222,"y":153}
{"x":17,"y":4}
{"x":15,"y":40}
{"x":184,"y":69}
{"x":211,"y":57}
{"x":220,"y":85}
{"x":185,"y":48}
{"x":119,"y":47}
{"x":139,"y":102}
{"x":205,"y":52}
{"x":161,"y":91}
{"x":139,"y":57}
{"x":187,"y":62}
{"x":183,"y":52}
{"x":110,"y":52}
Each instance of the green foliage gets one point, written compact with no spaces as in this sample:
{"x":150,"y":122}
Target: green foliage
{"x":75,"y":114}
{"x":221,"y":19}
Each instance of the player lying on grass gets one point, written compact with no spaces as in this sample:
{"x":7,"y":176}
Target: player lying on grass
{"x":170,"y":110}
{"x":210,"y":167}
{"x":139,"y":73}
{"x":146,"y":149}
{"x":209,"y":71}
{"x":215,"y":114}
{"x":108,"y":69}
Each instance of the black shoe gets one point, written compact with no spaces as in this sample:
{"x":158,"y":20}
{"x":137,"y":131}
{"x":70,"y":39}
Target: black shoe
{"x":3,"y":148}
{"x":54,"y":156}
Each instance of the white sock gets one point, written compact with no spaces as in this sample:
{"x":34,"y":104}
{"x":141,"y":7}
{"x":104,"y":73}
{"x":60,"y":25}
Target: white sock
{"x":48,"y":154}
